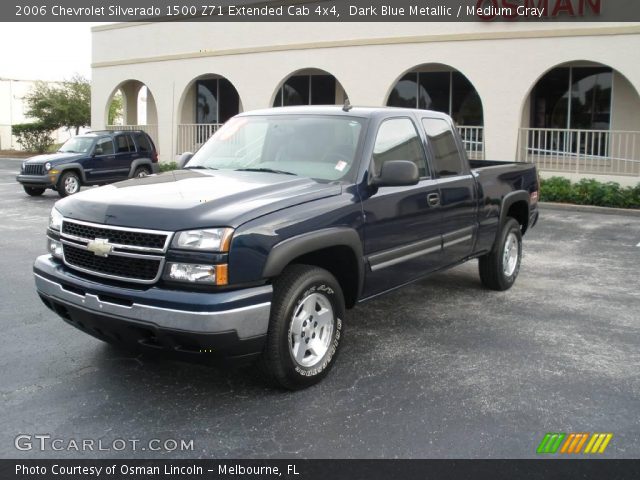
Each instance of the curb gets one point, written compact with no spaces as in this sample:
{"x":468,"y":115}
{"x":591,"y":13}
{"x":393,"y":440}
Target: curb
{"x":570,"y":207}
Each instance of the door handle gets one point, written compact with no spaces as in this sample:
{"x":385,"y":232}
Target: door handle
{"x":433,"y":199}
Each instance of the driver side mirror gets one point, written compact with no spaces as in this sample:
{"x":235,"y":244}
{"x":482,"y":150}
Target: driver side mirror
{"x":184,"y":158}
{"x":98,"y":151}
{"x":397,"y":173}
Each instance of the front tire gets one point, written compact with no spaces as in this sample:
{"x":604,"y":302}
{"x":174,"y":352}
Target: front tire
{"x":499,"y":268}
{"x":33,"y":191}
{"x":68,"y":184}
{"x":305,"y":327}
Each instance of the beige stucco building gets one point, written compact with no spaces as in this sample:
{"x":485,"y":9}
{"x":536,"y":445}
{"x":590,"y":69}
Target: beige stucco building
{"x":565,"y":95}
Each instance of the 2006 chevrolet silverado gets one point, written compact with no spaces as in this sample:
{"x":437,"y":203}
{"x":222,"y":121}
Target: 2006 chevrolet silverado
{"x":281,"y":221}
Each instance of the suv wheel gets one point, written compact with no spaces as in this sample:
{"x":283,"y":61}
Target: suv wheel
{"x":141,"y":172}
{"x":305,"y":327}
{"x":68,"y":184}
{"x":499,"y":269}
{"x":33,"y":191}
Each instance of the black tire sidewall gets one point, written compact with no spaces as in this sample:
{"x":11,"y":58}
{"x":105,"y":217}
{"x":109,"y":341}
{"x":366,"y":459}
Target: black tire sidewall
{"x":315,"y":281}
{"x":33,"y":191}
{"x":511,"y":226}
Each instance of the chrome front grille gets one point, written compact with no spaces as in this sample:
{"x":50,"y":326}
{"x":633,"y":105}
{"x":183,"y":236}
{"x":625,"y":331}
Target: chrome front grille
{"x":128,"y":254}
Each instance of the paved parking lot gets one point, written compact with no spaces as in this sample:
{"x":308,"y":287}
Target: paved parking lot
{"x":442,"y":368}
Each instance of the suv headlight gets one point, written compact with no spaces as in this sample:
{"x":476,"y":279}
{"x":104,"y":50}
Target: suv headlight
{"x":210,"y":239}
{"x":55,"y":219}
{"x":47,"y":166}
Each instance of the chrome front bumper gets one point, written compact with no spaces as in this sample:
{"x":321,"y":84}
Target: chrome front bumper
{"x":251,"y":319}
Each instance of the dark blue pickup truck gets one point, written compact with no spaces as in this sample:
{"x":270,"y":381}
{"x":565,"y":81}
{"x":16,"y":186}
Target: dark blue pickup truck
{"x":281,"y":221}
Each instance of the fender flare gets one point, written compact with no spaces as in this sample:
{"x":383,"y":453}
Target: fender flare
{"x":71,"y":166}
{"x":510,"y":199}
{"x":287,"y":250}
{"x":507,"y":201}
{"x":139,"y":162}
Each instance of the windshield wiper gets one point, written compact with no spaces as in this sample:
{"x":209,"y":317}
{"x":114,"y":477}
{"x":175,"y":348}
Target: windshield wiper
{"x":266,"y":170}
{"x":199,"y":167}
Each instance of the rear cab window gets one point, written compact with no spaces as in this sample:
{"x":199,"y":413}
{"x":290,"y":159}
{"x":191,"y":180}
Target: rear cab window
{"x":447,"y":158}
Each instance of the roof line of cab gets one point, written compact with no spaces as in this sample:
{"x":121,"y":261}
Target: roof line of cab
{"x":368,"y":112}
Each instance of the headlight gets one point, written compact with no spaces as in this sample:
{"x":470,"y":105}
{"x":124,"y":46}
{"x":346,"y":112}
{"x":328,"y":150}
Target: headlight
{"x":193,"y":273}
{"x":212,"y":239}
{"x":47,"y":166}
{"x":55,"y":219}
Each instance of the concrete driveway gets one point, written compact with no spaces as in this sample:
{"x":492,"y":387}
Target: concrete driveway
{"x":442,"y":368}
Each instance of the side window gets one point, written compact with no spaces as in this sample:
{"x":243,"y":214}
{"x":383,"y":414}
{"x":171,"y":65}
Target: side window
{"x":398,"y":140}
{"x":447,"y":160}
{"x":105,"y":146}
{"x":143,"y":143}
{"x":124,"y":144}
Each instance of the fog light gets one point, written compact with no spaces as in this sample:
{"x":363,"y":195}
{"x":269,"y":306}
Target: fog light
{"x":54,"y":247}
{"x":194,"y":273}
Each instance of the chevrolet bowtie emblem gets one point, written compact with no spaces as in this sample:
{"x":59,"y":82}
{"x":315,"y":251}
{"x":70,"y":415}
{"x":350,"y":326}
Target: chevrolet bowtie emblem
{"x":100,"y":247}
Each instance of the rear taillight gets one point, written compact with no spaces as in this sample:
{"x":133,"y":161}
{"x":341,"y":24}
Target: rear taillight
{"x":154,"y":157}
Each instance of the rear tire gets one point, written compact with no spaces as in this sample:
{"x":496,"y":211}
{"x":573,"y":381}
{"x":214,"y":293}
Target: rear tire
{"x":33,"y":191}
{"x":305,"y":327}
{"x":499,"y":268}
{"x":141,"y":172}
{"x":68,"y":184}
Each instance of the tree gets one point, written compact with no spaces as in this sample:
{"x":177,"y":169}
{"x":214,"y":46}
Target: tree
{"x":34,"y":137}
{"x":115,"y":109}
{"x":67,"y":105}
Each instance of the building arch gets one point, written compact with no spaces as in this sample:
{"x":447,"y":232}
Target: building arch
{"x":138,"y":106}
{"x":443,"y":88}
{"x":309,"y":86}
{"x":207,"y":101}
{"x":581,"y":115}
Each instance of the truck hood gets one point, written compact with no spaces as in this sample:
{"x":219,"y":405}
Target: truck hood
{"x":186,"y":199}
{"x":55,"y":158}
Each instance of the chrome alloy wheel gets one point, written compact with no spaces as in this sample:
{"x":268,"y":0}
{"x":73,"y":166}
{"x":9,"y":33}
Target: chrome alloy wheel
{"x":311,"y":330}
{"x":510,"y":254}
{"x":71,"y":185}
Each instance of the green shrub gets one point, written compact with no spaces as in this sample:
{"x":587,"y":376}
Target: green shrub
{"x":589,"y":192}
{"x":33,"y":137}
{"x":167,"y":167}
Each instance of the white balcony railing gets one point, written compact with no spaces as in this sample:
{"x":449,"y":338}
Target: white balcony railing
{"x":191,"y":136}
{"x":152,"y":130}
{"x":604,"y":152}
{"x":473,"y":139}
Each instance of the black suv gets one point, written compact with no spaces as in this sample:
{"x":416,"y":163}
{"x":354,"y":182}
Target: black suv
{"x":95,"y":158}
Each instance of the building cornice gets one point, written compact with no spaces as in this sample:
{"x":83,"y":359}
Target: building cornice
{"x":377,"y":41}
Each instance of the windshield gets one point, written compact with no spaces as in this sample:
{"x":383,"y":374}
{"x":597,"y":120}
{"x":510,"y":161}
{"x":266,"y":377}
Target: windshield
{"x":77,"y":145}
{"x":319,"y":147}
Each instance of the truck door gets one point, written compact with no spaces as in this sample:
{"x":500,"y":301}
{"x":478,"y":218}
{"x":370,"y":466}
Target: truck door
{"x":402,"y":224}
{"x":457,"y":189}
